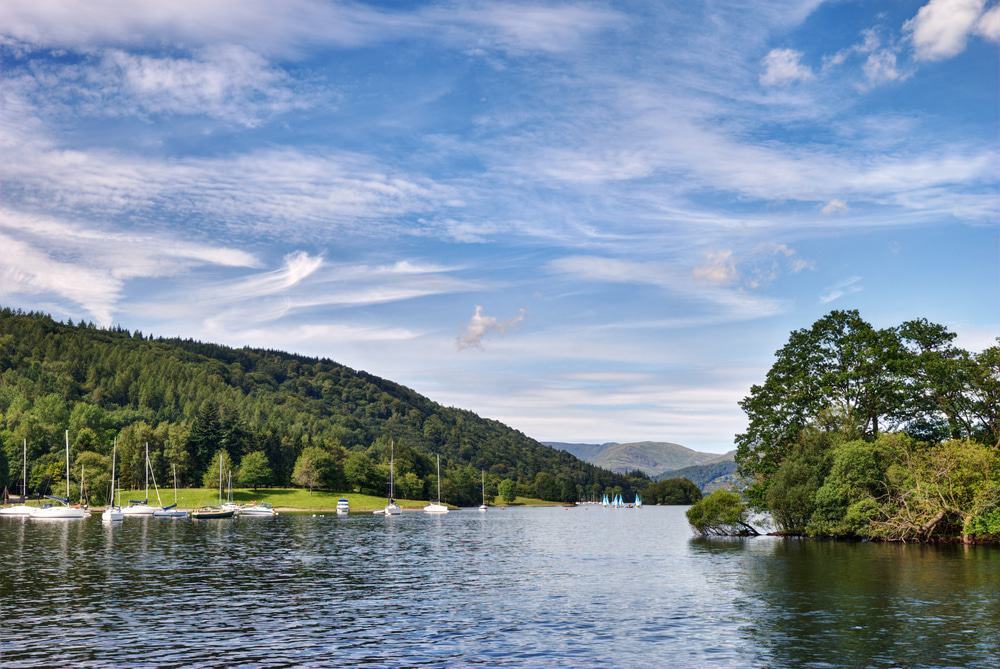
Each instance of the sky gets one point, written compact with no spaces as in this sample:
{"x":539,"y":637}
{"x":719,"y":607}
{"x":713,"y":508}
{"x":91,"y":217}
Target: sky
{"x":593,"y":221}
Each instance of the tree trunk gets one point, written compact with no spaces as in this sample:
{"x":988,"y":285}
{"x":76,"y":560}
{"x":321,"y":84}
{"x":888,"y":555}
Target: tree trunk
{"x":929,"y":526}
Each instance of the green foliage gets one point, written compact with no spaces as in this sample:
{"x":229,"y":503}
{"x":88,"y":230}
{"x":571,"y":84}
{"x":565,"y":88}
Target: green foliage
{"x":220,"y":462}
{"x":791,"y":493}
{"x":255,"y":470}
{"x":723,"y":513}
{"x":361,"y":474}
{"x":316,"y":468}
{"x":507,"y":491}
{"x":189,"y":400}
{"x":671,"y":491}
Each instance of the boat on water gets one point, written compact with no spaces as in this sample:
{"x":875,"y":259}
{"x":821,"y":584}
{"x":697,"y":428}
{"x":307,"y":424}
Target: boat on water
{"x":141,"y":507}
{"x":258,"y":509}
{"x":638,"y":501}
{"x":62,"y":511}
{"x":343,"y":506}
{"x":483,"y":507}
{"x":437,"y":507}
{"x":113,"y":514}
{"x":604,"y":500}
{"x":20,"y":509}
{"x":391,"y":508}
{"x":229,"y":504}
{"x":215,"y":512}
{"x":170,"y":511}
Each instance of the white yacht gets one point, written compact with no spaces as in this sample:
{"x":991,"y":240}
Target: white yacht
{"x":391,"y":508}
{"x":437,"y":507}
{"x":21,"y":509}
{"x":113,"y":514}
{"x":258,"y":509}
{"x":62,"y":511}
{"x":483,"y":507}
{"x":141,"y":507}
{"x":343,"y":506}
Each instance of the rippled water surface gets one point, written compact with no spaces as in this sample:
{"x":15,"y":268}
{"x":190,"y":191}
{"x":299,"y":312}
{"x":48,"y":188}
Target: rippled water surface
{"x":529,"y":587}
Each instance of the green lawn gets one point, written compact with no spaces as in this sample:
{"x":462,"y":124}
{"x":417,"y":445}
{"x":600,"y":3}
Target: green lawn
{"x":292,"y":499}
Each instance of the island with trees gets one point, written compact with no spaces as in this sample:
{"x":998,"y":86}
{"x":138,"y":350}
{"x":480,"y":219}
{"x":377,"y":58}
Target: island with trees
{"x":858,"y":432}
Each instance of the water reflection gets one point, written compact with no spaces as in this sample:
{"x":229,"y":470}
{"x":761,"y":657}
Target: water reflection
{"x":534,"y":587}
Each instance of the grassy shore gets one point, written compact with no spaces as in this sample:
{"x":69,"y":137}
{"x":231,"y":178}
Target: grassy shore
{"x":293,"y":499}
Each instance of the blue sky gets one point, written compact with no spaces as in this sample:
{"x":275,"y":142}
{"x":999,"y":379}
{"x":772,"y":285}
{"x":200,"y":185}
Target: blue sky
{"x":593,"y":221}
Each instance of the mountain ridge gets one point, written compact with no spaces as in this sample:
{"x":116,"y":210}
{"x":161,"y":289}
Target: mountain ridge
{"x":651,"y":457}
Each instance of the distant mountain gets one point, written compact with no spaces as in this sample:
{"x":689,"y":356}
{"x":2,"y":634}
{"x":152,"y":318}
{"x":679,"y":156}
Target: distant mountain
{"x":651,"y":457}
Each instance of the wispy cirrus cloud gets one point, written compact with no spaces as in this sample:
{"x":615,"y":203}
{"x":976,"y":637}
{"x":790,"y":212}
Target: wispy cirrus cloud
{"x":848,"y":286}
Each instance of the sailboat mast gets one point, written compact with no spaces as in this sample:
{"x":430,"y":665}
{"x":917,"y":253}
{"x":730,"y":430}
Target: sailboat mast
{"x":484,"y":486}
{"x":175,"y":482}
{"x":147,"y":472}
{"x":439,"y":478}
{"x":220,"y":478}
{"x":392,"y":469}
{"x":67,"y":466}
{"x":114,"y":458}
{"x":24,"y":472}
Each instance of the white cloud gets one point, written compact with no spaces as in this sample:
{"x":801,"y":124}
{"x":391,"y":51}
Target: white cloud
{"x":941,"y":27}
{"x":89,"y":266}
{"x":880,"y":67}
{"x":834,"y":206}
{"x":285,"y":27}
{"x":480,"y":325}
{"x":838,"y":290}
{"x":719,"y":267}
{"x":784,"y":66}
{"x":988,"y":25}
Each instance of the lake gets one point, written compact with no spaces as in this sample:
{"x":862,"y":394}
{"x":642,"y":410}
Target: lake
{"x":544,"y":587}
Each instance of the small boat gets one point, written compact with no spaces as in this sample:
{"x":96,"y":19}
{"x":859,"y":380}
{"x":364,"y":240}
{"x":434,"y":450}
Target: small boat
{"x":113,"y":514}
{"x":483,"y":507}
{"x":141,"y":507}
{"x":170,"y":511}
{"x":21,"y":509}
{"x":258,"y":509}
{"x":229,"y":504}
{"x":343,"y":506}
{"x":638,"y":501}
{"x":391,"y":508}
{"x":63,"y":511}
{"x":212,"y":513}
{"x":437,"y":507}
{"x":604,"y":500}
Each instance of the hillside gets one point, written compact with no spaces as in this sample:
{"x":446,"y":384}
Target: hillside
{"x":707,"y":477}
{"x":651,"y":457}
{"x":189,"y":400}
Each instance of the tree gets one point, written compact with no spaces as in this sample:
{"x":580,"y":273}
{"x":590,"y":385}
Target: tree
{"x":255,"y":470}
{"x":314,"y":468}
{"x":210,"y":479}
{"x":722,"y":513}
{"x":671,"y":491}
{"x":791,"y":492}
{"x":205,"y":438}
{"x":840,"y":375}
{"x":507,"y":491}
{"x":360,"y":473}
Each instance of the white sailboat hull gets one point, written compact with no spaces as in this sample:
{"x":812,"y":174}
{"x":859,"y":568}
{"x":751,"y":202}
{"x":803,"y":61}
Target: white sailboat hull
{"x":483,"y":508}
{"x":170,"y":513}
{"x":18,"y":510}
{"x":392,"y":510}
{"x":256,"y":511}
{"x":59,"y":513}
{"x":112,"y":515}
{"x":435,"y":508}
{"x":139,"y":510}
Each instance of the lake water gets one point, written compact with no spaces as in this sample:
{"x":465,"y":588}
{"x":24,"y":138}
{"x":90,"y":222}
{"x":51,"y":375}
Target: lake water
{"x":529,"y":587}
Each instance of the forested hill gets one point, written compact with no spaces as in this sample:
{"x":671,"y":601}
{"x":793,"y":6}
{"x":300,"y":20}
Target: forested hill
{"x":190,"y":399}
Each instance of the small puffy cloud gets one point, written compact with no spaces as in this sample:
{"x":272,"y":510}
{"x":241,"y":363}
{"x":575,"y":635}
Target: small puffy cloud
{"x":941,"y":27}
{"x":719,"y":267}
{"x":481,"y":325}
{"x":988,"y":25}
{"x":783,"y":67}
{"x":834,"y":206}
{"x":838,"y":290}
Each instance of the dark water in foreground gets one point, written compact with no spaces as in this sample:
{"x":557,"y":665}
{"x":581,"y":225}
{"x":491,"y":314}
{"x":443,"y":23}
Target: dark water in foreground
{"x":531,"y":587}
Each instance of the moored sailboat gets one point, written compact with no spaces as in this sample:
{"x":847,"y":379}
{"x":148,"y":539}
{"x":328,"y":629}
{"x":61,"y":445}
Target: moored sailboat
{"x":63,"y":511}
{"x":483,"y":507}
{"x":113,"y":514}
{"x":391,"y":508}
{"x":21,"y":509}
{"x":437,"y":507}
{"x":141,"y":507}
{"x":214,"y":512}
